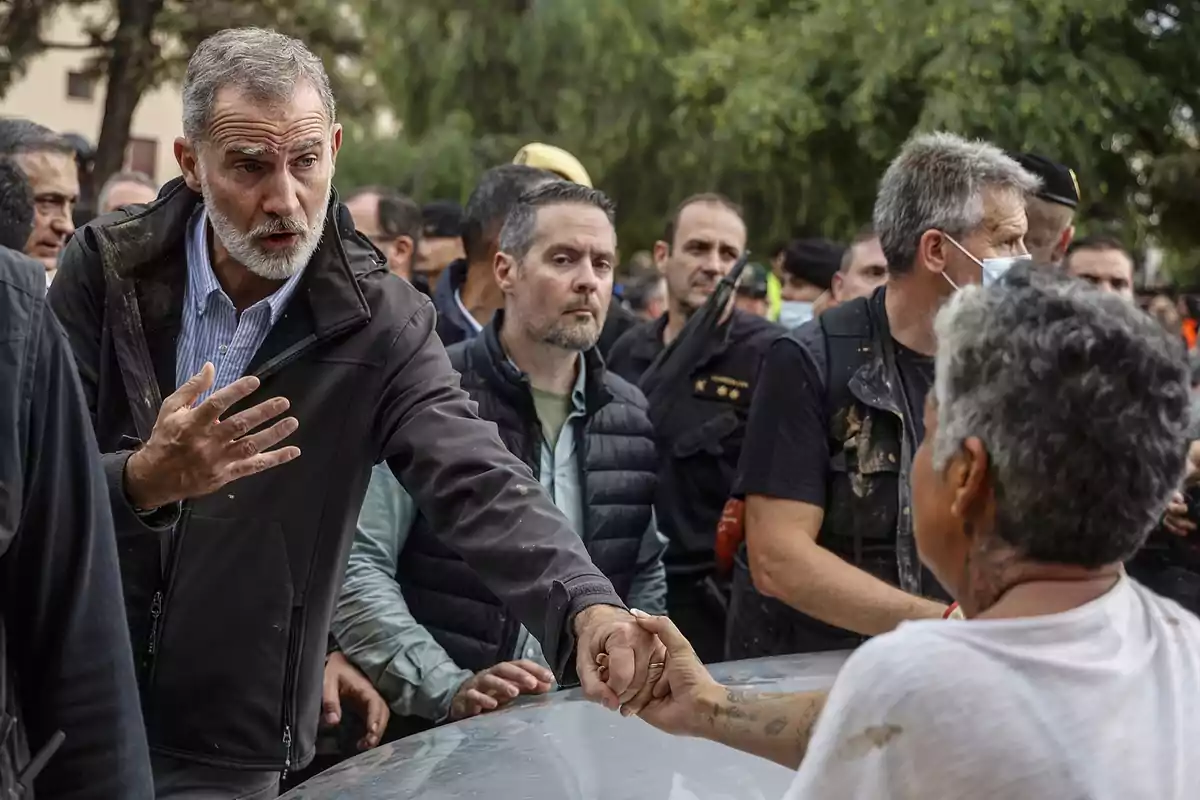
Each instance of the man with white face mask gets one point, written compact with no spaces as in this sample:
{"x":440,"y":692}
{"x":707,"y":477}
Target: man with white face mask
{"x":239,"y":310}
{"x":829,"y":557}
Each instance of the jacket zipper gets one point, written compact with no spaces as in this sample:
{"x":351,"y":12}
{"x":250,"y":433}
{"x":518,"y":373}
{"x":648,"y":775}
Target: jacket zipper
{"x":289,"y":690}
{"x":158,"y":603}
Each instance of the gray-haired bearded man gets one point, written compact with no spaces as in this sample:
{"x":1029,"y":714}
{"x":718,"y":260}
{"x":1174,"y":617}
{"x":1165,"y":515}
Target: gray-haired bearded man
{"x":240,"y":294}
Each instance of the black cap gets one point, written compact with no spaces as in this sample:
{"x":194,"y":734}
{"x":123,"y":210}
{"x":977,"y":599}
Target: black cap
{"x":1059,"y":184}
{"x":442,"y":219}
{"x":753,"y":282}
{"x":815,"y":261}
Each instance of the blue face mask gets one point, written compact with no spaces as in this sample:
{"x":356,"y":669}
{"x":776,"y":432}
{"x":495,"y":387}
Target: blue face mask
{"x":993,"y":268}
{"x":794,"y":313}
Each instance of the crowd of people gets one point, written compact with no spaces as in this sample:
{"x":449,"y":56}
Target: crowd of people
{"x":354,"y":467}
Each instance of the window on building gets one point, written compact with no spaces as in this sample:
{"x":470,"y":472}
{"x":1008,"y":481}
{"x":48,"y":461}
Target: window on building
{"x":80,"y":86}
{"x":141,"y":155}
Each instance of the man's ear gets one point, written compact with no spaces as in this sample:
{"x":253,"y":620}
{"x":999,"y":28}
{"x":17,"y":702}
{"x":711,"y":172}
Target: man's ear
{"x":933,"y":250}
{"x":837,"y":286}
{"x":188,"y":160}
{"x":662,"y":252}
{"x":335,"y":142}
{"x":504,"y":268}
{"x":969,"y":473}
{"x":1064,"y":241}
{"x":400,"y":251}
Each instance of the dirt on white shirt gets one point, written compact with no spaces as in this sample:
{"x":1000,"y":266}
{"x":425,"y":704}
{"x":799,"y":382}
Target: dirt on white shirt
{"x":1098,"y":703}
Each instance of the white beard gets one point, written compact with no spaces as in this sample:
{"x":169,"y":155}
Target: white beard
{"x":244,"y":249}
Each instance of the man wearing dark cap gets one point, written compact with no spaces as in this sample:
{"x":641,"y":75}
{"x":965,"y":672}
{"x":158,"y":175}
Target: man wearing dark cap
{"x":441,"y":239}
{"x":808,"y":269}
{"x":1051,"y":210}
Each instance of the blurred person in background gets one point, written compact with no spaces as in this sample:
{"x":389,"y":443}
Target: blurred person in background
{"x":243,"y":288}
{"x":1103,"y":262}
{"x":441,"y":240}
{"x":1164,"y":309}
{"x":1055,"y":436}
{"x":412,"y":615}
{"x":1051,"y":211}
{"x":700,"y":438}
{"x":829,"y":557}
{"x":863,"y":269}
{"x":466,"y":295}
{"x":125,"y":189}
{"x":70,"y":722}
{"x":393,"y":223}
{"x":752,"y":291}
{"x":808,"y":269}
{"x":48,"y":161}
{"x":646,"y":294}
{"x":16,"y":206}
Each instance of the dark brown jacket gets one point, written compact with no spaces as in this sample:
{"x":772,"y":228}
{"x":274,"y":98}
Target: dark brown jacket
{"x":230,"y":608}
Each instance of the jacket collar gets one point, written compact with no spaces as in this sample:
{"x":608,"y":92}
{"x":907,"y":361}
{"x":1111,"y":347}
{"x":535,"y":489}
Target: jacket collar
{"x":451,"y":280}
{"x":506,"y":379}
{"x":141,"y":246}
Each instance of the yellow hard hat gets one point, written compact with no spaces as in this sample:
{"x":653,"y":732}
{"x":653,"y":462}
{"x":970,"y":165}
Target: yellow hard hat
{"x":553,"y":159}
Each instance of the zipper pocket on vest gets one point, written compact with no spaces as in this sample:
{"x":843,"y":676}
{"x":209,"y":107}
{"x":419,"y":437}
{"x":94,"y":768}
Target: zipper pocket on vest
{"x":289,"y":688}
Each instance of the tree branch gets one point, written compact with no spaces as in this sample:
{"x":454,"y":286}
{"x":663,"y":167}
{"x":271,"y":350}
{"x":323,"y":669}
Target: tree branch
{"x":95,"y":44}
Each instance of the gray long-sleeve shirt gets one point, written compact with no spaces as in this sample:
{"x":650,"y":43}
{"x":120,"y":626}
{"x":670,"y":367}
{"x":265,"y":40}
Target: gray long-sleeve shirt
{"x":373,"y":625}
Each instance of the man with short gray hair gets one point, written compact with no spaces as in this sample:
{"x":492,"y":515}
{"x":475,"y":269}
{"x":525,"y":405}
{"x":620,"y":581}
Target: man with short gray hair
{"x":241,"y":294}
{"x":829,"y":557}
{"x":126,"y":189}
{"x":48,"y":161}
{"x":416,"y":619}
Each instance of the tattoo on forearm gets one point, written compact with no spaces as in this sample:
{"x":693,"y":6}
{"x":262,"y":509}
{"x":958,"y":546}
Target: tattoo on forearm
{"x":775,"y":726}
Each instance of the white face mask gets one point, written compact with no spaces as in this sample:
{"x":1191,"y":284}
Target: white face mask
{"x":794,"y":313}
{"x":993,"y":268}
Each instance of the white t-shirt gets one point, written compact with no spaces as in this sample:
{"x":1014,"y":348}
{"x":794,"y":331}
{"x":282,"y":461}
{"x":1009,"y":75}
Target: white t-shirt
{"x":1098,"y":703}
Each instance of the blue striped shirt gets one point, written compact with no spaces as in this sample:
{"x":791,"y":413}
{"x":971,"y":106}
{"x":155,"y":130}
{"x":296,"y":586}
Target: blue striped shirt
{"x":211,"y":329}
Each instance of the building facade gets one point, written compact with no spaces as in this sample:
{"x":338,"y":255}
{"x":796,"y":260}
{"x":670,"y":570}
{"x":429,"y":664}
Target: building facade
{"x":55,"y":91}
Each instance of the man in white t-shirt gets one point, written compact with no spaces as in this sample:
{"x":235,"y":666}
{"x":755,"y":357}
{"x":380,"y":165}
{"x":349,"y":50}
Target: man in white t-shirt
{"x":1055,"y":434}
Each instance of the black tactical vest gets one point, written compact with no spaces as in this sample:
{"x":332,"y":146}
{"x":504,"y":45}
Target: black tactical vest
{"x":868,"y":509}
{"x":618,"y":478}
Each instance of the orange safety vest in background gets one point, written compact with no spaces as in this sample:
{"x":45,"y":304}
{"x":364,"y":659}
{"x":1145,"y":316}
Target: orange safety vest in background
{"x":1189,"y":332}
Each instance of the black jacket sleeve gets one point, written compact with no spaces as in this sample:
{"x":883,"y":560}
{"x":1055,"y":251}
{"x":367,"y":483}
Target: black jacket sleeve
{"x":483,"y":500}
{"x":69,"y":644}
{"x":77,"y":299}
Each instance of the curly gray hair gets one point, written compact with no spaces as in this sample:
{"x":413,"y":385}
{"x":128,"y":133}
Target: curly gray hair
{"x":1082,"y":403}
{"x":937,"y":182}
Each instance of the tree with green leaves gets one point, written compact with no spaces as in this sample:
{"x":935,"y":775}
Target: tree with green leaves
{"x":140,"y":44}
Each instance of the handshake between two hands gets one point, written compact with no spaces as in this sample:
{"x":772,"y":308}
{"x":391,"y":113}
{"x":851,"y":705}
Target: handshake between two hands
{"x":643,"y":666}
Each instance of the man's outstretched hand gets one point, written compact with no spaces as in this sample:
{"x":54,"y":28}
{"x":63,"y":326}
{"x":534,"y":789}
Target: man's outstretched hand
{"x":193,"y":451}
{"x":628,"y":652}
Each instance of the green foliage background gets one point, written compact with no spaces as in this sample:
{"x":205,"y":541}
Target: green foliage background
{"x":792,"y":107}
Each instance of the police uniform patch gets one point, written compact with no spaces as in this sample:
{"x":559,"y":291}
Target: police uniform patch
{"x":723,"y":388}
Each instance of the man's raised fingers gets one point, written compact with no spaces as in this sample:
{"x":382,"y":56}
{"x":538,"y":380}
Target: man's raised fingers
{"x":260,"y":463}
{"x":243,"y":422}
{"x":250,"y":446}
{"x":222,"y":400}
{"x":192,"y":388}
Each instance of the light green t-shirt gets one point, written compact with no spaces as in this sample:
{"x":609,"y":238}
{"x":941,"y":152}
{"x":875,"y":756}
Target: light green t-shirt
{"x":552,"y":410}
